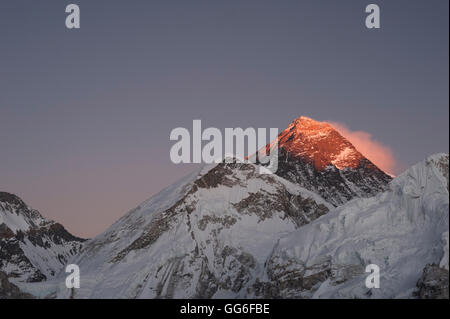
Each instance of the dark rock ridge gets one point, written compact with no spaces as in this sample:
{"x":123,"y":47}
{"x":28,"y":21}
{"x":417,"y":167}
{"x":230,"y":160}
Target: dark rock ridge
{"x":434,"y":283}
{"x":337,"y":186}
{"x":32,"y":248}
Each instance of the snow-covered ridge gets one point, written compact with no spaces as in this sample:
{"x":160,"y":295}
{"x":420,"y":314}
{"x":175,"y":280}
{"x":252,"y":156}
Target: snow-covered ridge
{"x":15,"y":214}
{"x":226,"y":231}
{"x":401,"y":230}
{"x":32,"y":248}
{"x":207,"y":236}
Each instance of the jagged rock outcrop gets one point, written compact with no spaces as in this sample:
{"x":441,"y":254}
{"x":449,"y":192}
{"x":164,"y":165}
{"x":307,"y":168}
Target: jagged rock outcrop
{"x":32,"y":248}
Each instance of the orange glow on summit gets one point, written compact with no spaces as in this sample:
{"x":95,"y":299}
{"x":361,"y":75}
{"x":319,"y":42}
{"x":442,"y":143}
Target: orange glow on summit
{"x":329,"y":143}
{"x":319,"y":143}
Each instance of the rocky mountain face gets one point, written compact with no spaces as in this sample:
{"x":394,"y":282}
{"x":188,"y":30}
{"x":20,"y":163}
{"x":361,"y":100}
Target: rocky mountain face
{"x":32,"y":248}
{"x":207,"y":236}
{"x":315,"y":156}
{"x":227,"y":231}
{"x":433,"y":284}
{"x":403,"y":230}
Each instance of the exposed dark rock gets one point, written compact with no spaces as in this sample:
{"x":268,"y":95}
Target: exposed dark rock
{"x":5,"y":232}
{"x":12,"y":199}
{"x":334,"y":185}
{"x":9,"y":290}
{"x":434,"y":283}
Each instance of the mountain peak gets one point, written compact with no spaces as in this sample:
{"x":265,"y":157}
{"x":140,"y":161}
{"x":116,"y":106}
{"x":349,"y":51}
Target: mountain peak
{"x":33,"y":248}
{"x":306,"y":124}
{"x":319,"y":143}
{"x":11,"y":199}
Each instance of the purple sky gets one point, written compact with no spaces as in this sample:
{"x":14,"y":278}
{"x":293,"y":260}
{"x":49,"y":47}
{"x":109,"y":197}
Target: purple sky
{"x":85,"y":115}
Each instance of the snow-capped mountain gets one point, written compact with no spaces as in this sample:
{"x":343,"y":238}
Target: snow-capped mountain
{"x":315,"y":156}
{"x":227,"y":231}
{"x":32,"y":248}
{"x":207,"y":236}
{"x":403,"y":230}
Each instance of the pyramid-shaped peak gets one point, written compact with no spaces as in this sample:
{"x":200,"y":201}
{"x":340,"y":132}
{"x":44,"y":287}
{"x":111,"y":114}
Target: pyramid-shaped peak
{"x":319,"y":143}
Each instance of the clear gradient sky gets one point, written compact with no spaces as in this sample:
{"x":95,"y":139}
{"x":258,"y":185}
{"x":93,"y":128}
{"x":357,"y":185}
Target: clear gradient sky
{"x":85,"y":115}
